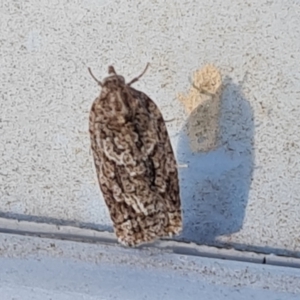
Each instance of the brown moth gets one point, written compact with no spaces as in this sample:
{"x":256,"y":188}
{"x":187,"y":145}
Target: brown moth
{"x":135,"y":163}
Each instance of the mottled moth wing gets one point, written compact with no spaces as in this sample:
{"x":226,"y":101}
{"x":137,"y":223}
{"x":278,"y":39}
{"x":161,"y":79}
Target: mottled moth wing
{"x":135,"y":163}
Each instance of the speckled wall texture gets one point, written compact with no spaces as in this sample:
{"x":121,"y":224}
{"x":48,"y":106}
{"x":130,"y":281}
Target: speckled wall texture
{"x":241,"y":190}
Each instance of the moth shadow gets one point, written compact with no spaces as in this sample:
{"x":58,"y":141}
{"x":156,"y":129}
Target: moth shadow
{"x":216,"y":143}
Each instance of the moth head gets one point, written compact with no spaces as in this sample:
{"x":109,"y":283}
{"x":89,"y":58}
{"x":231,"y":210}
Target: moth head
{"x":114,"y":77}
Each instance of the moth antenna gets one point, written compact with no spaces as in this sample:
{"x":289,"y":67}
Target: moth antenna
{"x":99,"y":82}
{"x":137,"y":78}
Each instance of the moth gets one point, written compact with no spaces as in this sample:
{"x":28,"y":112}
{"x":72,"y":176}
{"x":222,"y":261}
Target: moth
{"x":134,"y":161}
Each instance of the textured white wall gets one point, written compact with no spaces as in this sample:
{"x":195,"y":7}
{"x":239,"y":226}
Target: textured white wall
{"x":244,"y":192}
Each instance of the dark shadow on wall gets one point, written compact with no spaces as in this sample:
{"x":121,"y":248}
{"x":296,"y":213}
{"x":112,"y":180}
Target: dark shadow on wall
{"x":216,"y":183}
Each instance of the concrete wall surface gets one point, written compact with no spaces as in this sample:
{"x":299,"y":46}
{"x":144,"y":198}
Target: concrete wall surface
{"x":36,"y":268}
{"x":241,"y":186}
